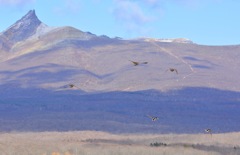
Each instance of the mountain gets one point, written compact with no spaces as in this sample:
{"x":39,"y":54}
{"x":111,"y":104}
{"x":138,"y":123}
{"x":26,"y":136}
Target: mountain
{"x":38,"y":62}
{"x":23,"y":28}
{"x":99,"y":63}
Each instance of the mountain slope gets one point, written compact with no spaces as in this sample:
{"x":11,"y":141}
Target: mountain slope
{"x":38,"y":62}
{"x":99,"y":63}
{"x":108,"y":62}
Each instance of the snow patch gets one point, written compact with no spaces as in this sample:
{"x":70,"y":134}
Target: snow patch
{"x":42,"y":29}
{"x":169,"y":40}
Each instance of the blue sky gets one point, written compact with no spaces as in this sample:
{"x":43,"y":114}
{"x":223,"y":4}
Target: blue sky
{"x":207,"y":22}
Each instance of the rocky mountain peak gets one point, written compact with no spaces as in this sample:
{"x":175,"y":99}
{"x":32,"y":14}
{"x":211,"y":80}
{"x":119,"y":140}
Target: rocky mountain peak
{"x":30,"y":16}
{"x":23,"y":28}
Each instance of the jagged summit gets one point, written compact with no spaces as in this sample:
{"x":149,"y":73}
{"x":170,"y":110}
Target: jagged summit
{"x":23,"y":28}
{"x":31,"y":15}
{"x":30,"y":29}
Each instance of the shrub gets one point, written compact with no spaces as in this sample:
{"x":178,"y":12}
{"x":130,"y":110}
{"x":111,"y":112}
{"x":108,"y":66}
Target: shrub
{"x":156,"y":144}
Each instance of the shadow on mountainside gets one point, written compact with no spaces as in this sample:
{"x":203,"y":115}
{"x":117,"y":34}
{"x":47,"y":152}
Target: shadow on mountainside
{"x":188,"y":110}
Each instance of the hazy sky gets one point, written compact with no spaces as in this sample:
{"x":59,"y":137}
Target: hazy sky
{"x":209,"y":22}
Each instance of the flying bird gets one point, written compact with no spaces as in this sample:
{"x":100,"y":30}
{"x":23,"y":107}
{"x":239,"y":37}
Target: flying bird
{"x":135,"y":63}
{"x":172,"y":70}
{"x":153,"y":118}
{"x":208,"y":131}
{"x":70,"y":86}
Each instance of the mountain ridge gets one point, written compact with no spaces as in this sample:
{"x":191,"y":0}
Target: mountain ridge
{"x":29,"y":27}
{"x":108,"y":58}
{"x":23,"y":28}
{"x":50,"y":80}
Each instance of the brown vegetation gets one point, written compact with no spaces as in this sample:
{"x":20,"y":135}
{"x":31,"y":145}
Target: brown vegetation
{"x":93,"y":143}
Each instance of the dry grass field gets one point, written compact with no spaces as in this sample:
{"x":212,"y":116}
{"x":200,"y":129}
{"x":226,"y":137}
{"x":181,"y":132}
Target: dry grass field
{"x":101,"y":143}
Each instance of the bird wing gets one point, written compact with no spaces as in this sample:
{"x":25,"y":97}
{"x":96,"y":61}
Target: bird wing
{"x":176,"y":71}
{"x":71,"y":85}
{"x":134,"y":62}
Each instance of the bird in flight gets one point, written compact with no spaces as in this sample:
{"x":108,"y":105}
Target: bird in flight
{"x":70,"y":86}
{"x":172,"y":70}
{"x":208,"y":131}
{"x":153,"y":118}
{"x":135,"y":63}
